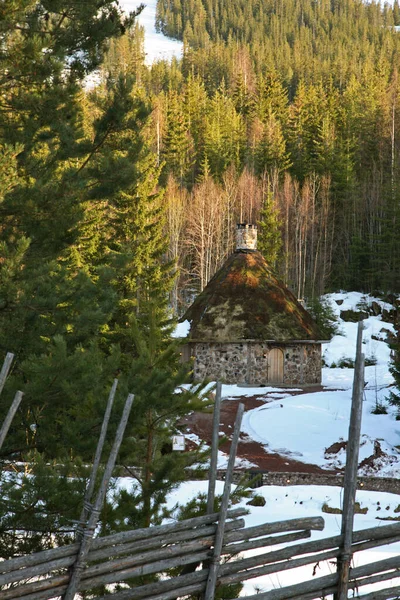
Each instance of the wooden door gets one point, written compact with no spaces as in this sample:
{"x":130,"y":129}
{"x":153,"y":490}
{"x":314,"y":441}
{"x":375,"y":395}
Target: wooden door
{"x":275,"y":364}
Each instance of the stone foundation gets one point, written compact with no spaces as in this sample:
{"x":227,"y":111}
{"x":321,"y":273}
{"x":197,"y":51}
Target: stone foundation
{"x":257,"y":363}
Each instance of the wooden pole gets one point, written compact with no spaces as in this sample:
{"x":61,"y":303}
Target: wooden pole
{"x":219,"y":537}
{"x":350,"y":476}
{"x":10,"y":415}
{"x":214,"y":450}
{"x":5,"y":369}
{"x":89,"y":531}
{"x":87,"y":506}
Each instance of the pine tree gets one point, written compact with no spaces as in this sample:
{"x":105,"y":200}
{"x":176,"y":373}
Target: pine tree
{"x":242,"y":97}
{"x":270,"y":153}
{"x":59,"y":297}
{"x":269,"y":236}
{"x":224,"y":136}
{"x":154,"y":377}
{"x":31,"y":518}
{"x":272,"y":99}
{"x":394,"y":396}
{"x":177,"y":151}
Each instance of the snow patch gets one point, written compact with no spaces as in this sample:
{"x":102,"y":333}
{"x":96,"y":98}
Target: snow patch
{"x":182,"y":330}
{"x":156,"y":45}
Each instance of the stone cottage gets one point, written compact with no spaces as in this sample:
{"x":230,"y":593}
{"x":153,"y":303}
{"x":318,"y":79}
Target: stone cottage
{"x":247,"y":327}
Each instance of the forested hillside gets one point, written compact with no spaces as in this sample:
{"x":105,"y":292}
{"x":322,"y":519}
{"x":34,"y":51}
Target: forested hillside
{"x":298,"y":99}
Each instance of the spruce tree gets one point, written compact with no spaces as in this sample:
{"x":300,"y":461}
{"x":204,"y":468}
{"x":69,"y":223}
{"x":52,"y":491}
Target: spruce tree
{"x":154,"y":376}
{"x":394,"y":396}
{"x":270,"y":153}
{"x":269,"y":241}
{"x":177,"y":152}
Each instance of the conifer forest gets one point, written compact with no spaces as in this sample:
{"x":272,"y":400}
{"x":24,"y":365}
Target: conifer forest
{"x":120,"y":187}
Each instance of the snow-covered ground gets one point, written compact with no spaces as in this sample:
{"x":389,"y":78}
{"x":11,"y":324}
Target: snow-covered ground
{"x":303,"y":427}
{"x":156,"y":45}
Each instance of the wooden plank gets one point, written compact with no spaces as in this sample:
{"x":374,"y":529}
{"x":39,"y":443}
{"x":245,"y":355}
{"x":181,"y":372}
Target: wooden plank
{"x":107,"y":542}
{"x":147,"y":569}
{"x":212,"y":477}
{"x":44,"y":587}
{"x":10,"y":415}
{"x":37,"y":570}
{"x":38,"y":558}
{"x":169,"y":594}
{"x":275,"y":371}
{"x":315,"y":523}
{"x":5,"y":369}
{"x":171,"y":538}
{"x":385,"y":594}
{"x":219,"y":537}
{"x":150,"y":532}
{"x":238,"y":547}
{"x":77,"y":571}
{"x":148,"y":558}
{"x":350,"y":476}
{"x":195,"y":581}
{"x":87,"y":506}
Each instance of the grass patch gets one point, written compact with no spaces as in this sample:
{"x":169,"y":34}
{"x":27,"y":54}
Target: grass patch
{"x":338,"y":511}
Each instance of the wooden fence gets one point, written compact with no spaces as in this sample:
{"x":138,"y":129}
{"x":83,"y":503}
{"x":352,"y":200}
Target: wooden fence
{"x":144,"y":552}
{"x":134,"y":554}
{"x":195,"y":556}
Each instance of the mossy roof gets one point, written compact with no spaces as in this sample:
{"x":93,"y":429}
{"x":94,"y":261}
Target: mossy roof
{"x":245,"y":301}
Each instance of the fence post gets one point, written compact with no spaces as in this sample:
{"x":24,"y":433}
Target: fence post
{"x":17,"y":398}
{"x":10,"y":415}
{"x":214,"y":450}
{"x":5,"y":369}
{"x":219,"y":536}
{"x":87,"y":506}
{"x":350,"y":476}
{"x":73,"y":586}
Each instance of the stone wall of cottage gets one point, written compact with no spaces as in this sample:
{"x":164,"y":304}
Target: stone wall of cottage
{"x":302,"y":364}
{"x":249,"y":362}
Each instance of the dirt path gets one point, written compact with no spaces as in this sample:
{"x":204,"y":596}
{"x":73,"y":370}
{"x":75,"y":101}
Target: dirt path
{"x":201,"y":425}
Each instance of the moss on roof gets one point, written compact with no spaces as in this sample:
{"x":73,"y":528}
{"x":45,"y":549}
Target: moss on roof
{"x":244,"y":300}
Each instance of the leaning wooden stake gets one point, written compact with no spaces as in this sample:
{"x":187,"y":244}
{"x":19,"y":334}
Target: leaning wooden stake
{"x":219,"y":537}
{"x":5,"y":369}
{"x":89,"y":531}
{"x":87,"y":506}
{"x":10,"y":415}
{"x":350,"y":476}
{"x":214,"y":450}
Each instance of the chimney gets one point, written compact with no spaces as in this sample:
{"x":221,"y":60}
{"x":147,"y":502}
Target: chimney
{"x":246,"y":237}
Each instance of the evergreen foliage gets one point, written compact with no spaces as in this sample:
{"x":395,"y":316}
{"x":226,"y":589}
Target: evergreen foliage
{"x":309,"y":91}
{"x":394,"y":396}
{"x":38,"y":507}
{"x":269,"y":241}
{"x":324,"y":317}
{"x":154,"y":376}
{"x":84,"y":283}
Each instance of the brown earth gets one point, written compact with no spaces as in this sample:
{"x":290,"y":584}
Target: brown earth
{"x":256,"y":453}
